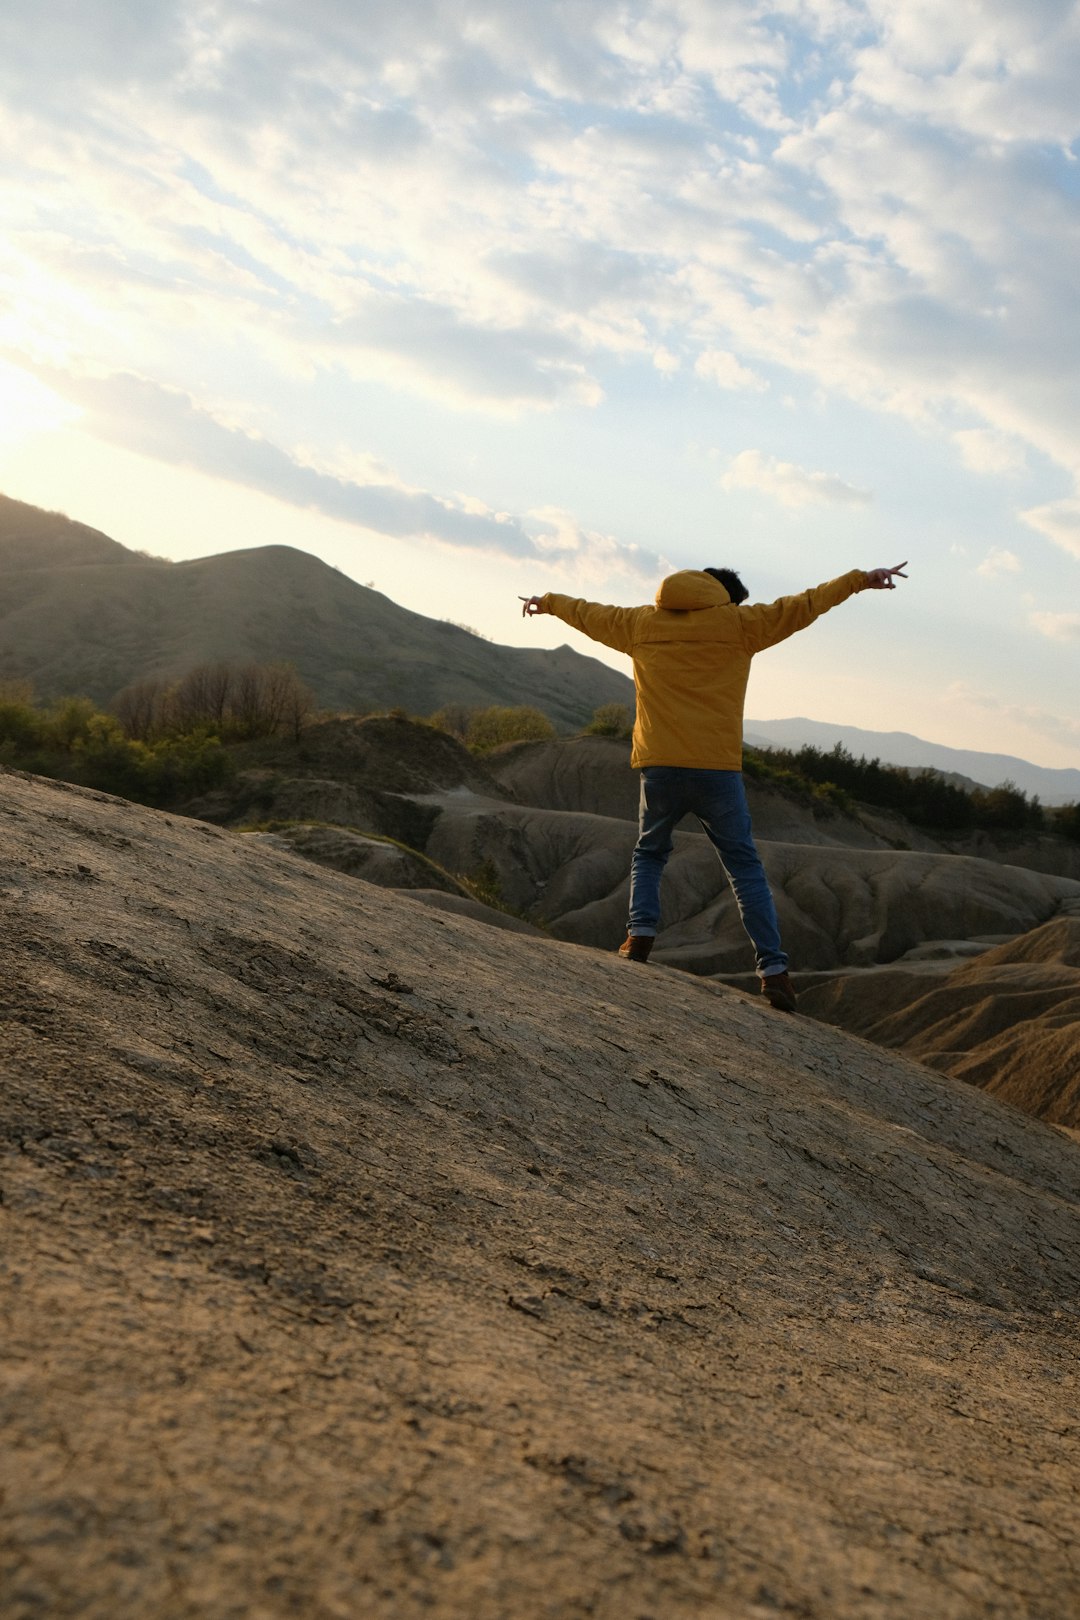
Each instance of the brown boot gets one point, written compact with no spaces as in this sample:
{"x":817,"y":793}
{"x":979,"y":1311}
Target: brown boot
{"x":780,"y":991}
{"x":636,"y":947}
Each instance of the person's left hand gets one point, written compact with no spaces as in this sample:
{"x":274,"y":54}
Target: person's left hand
{"x":533,"y":604}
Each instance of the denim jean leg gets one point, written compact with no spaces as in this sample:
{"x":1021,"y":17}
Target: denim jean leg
{"x":660,"y":809}
{"x":725,"y":816}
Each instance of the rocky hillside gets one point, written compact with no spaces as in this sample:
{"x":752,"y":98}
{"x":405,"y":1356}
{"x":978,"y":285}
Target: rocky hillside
{"x":543,"y":833}
{"x":407,"y":1267}
{"x":846,"y":895}
{"x":80,"y":614}
{"x":1007,"y":1018}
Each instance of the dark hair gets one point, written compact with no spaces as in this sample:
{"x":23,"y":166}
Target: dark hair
{"x":729,"y":579}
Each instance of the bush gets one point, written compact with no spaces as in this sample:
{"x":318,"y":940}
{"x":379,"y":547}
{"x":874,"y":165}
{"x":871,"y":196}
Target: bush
{"x":611,"y":720}
{"x":1007,"y":808}
{"x":181,"y":767}
{"x":74,"y":742}
{"x":71,"y":721}
{"x":454,"y":719}
{"x":485,"y":884}
{"x":490,"y":728}
{"x":1065,"y":820}
{"x":22,"y":728}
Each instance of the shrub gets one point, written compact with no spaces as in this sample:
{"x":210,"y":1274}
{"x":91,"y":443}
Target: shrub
{"x":1065,"y":820}
{"x":74,"y":742}
{"x":1006,"y":808}
{"x":181,"y":767}
{"x":611,"y":720}
{"x":22,"y":727}
{"x":454,"y":719}
{"x":485,"y":884}
{"x":71,"y":721}
{"x":489,"y":728}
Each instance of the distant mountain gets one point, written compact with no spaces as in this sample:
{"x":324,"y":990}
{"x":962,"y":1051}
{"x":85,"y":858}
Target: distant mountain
{"x":81,"y":614}
{"x":901,"y":748}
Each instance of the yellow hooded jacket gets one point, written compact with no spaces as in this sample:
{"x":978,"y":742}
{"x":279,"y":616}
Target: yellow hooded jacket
{"x":692,"y":655}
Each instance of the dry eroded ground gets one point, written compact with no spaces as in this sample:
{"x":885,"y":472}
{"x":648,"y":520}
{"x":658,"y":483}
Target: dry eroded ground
{"x":363,"y":1261}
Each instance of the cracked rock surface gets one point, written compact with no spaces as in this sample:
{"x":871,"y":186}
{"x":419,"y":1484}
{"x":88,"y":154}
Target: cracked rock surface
{"x":362,"y":1260}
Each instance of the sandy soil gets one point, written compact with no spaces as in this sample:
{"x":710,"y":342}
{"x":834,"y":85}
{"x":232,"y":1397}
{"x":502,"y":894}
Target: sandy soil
{"x":360,"y":1260}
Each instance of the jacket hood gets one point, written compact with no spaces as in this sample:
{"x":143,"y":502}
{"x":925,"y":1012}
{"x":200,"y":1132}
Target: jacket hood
{"x":691,"y":588}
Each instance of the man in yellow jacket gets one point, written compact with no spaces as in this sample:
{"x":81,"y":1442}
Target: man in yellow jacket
{"x":691,"y":656}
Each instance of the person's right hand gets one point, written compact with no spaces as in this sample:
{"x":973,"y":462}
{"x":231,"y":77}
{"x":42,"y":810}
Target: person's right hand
{"x":881,"y":579}
{"x":533,"y":604}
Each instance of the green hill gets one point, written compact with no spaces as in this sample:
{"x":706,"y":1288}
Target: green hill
{"x":80,"y":613}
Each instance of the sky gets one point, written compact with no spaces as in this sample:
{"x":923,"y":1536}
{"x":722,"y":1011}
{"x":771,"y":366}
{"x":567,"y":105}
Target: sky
{"x":476,"y":299}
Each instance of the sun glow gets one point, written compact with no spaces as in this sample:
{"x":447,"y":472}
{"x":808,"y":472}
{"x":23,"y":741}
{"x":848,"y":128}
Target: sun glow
{"x":28,"y":407}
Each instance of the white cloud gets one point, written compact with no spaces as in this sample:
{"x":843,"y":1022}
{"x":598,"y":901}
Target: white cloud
{"x":587,"y":554}
{"x":999,"y":561}
{"x":163,"y":423}
{"x":1058,"y":626}
{"x":997,"y":69}
{"x":721,"y":367}
{"x":987,"y":451}
{"x":456,"y":358}
{"x":952,"y":290}
{"x":1059,"y":521}
{"x":786,"y":482}
{"x":490,"y":203}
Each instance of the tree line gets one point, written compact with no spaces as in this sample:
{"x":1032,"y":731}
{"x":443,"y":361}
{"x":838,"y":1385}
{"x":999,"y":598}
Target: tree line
{"x":236,"y":702}
{"x":923,"y":797}
{"x":162,"y":742}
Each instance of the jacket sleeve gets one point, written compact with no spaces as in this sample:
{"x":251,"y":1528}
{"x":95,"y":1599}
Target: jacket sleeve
{"x":614,"y":626}
{"x":766,"y":623}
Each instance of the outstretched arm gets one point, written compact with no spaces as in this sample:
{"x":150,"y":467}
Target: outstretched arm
{"x":614,"y":626}
{"x":763,"y":625}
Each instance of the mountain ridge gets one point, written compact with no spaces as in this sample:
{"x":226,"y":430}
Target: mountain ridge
{"x":101,"y":618}
{"x":1053,"y":785}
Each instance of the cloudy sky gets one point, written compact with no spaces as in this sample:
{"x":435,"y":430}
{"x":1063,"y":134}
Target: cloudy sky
{"x":474,"y":298}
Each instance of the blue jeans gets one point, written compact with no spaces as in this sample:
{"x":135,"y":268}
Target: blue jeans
{"x":718,"y":800}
